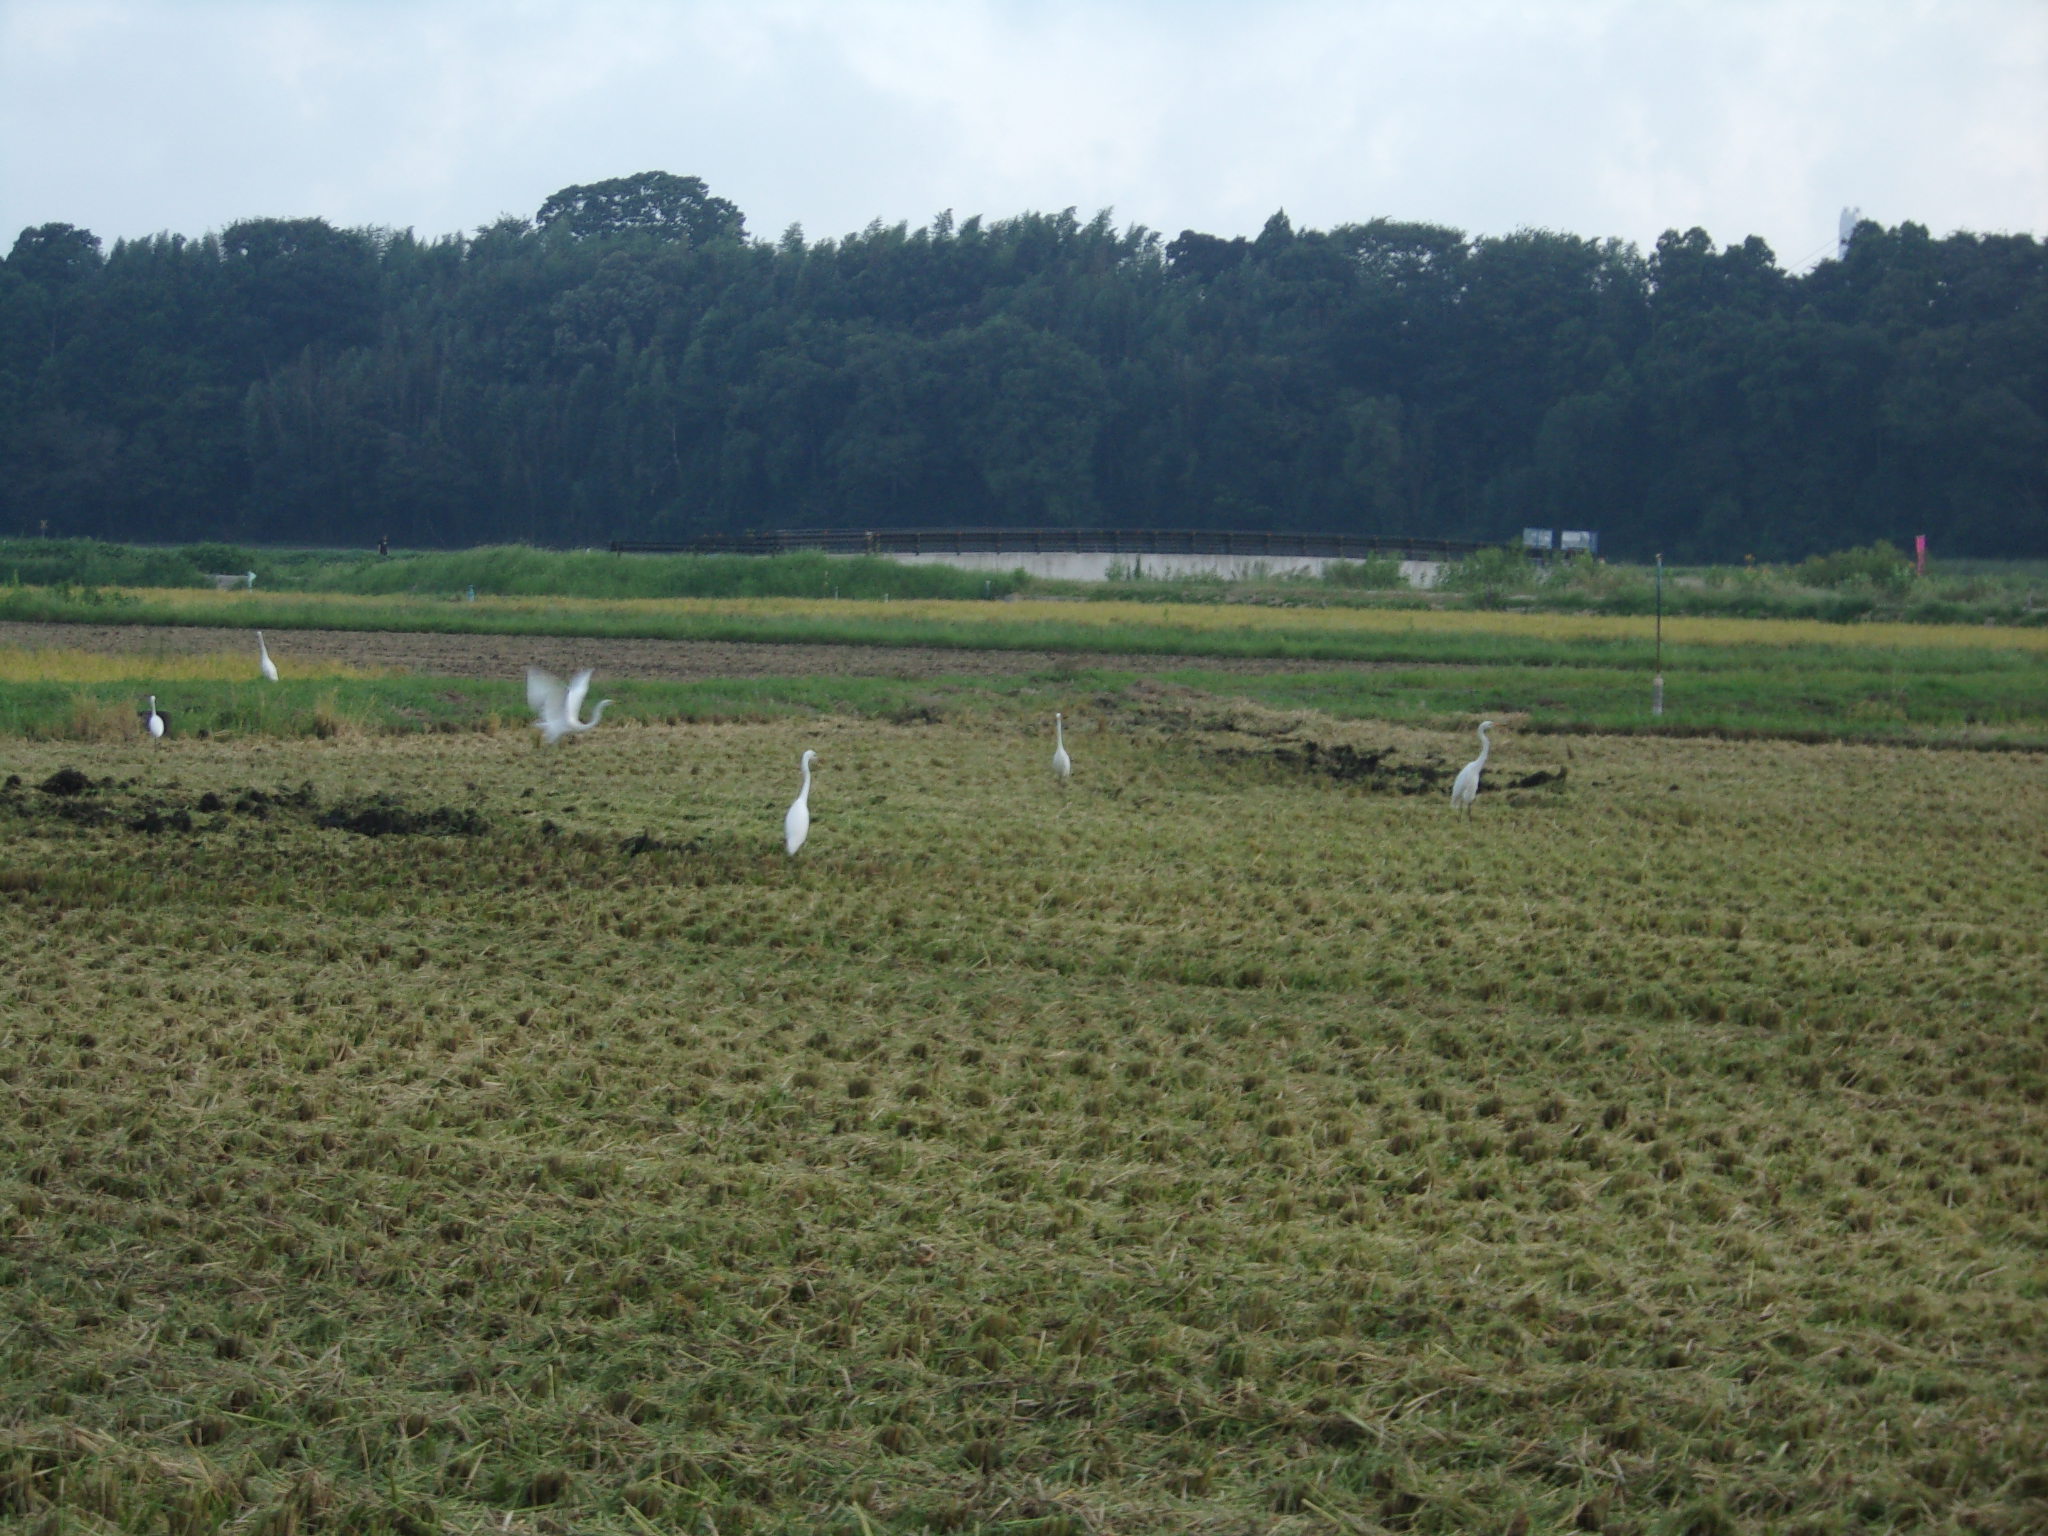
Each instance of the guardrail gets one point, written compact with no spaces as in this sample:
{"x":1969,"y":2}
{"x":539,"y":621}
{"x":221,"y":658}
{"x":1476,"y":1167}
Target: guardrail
{"x":1062,"y":541}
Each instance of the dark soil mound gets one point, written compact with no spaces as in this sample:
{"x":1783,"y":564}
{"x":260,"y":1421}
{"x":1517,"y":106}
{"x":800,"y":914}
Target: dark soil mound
{"x":66,"y":781}
{"x":385,"y":817}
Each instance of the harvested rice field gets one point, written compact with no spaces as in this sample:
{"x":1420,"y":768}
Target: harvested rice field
{"x":437,"y":1132}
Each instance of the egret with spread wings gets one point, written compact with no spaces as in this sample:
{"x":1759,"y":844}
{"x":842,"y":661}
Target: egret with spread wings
{"x":558,"y":704}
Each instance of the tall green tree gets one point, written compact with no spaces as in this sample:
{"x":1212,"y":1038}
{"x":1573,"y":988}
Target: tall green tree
{"x":651,"y":203}
{"x":629,"y":364}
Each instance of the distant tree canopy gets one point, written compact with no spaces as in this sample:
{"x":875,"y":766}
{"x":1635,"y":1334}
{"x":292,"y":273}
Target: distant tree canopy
{"x":654,"y":202}
{"x":630,"y":364}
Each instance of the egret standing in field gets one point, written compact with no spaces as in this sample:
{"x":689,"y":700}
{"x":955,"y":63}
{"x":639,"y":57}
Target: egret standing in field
{"x":1062,"y":765}
{"x":558,"y":704}
{"x":796,"y":825}
{"x":263,"y":660}
{"x":1465,"y":788}
{"x":155,"y":721}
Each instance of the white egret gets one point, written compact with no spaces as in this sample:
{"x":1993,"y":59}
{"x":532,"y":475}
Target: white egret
{"x":250,"y":578}
{"x":796,"y":826}
{"x":1465,"y":788}
{"x":1062,"y":765}
{"x":558,"y":703}
{"x":263,"y":658}
{"x":155,"y":721}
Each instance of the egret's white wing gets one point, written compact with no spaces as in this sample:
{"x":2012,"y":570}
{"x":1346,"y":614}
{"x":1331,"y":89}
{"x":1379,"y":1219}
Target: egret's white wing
{"x":572,"y":705}
{"x":540,"y":687}
{"x":545,"y":693}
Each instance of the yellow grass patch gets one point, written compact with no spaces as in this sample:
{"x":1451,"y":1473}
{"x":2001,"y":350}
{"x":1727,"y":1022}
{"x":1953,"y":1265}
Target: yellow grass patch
{"x":22,"y":664}
{"x":1200,"y":618}
{"x":1193,"y":618}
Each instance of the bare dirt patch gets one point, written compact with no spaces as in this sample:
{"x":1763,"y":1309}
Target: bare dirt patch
{"x":71,"y":795}
{"x":670,"y":660}
{"x":1305,"y":742}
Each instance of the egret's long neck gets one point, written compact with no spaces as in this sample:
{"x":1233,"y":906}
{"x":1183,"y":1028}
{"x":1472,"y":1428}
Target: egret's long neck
{"x":1059,"y":735}
{"x":1485,"y":743}
{"x":805,"y":792}
{"x":597,"y":714}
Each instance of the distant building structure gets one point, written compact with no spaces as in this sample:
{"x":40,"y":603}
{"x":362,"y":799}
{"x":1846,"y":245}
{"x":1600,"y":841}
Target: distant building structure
{"x":1566,"y":541}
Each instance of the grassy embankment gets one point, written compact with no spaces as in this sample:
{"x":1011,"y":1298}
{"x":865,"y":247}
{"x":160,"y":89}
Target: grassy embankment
{"x":1805,"y":679}
{"x":1849,"y":587}
{"x":1215,"y":1147}
{"x":497,"y":571}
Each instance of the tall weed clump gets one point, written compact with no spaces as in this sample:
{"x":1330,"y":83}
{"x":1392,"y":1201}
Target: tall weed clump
{"x":330,"y":719}
{"x":99,"y":719}
{"x":1599,"y":585}
{"x":1490,"y":576}
{"x":1381,"y":573}
{"x":1129,"y":581}
{"x":1877,"y":567}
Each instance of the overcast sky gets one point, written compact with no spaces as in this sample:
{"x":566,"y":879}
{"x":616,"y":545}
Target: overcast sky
{"x":1593,"y":117}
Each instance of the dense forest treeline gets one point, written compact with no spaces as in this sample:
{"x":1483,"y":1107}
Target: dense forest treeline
{"x":629,"y":363}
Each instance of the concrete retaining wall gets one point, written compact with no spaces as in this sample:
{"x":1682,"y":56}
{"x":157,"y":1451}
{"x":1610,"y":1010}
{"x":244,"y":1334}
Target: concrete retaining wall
{"x":1068,"y":567}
